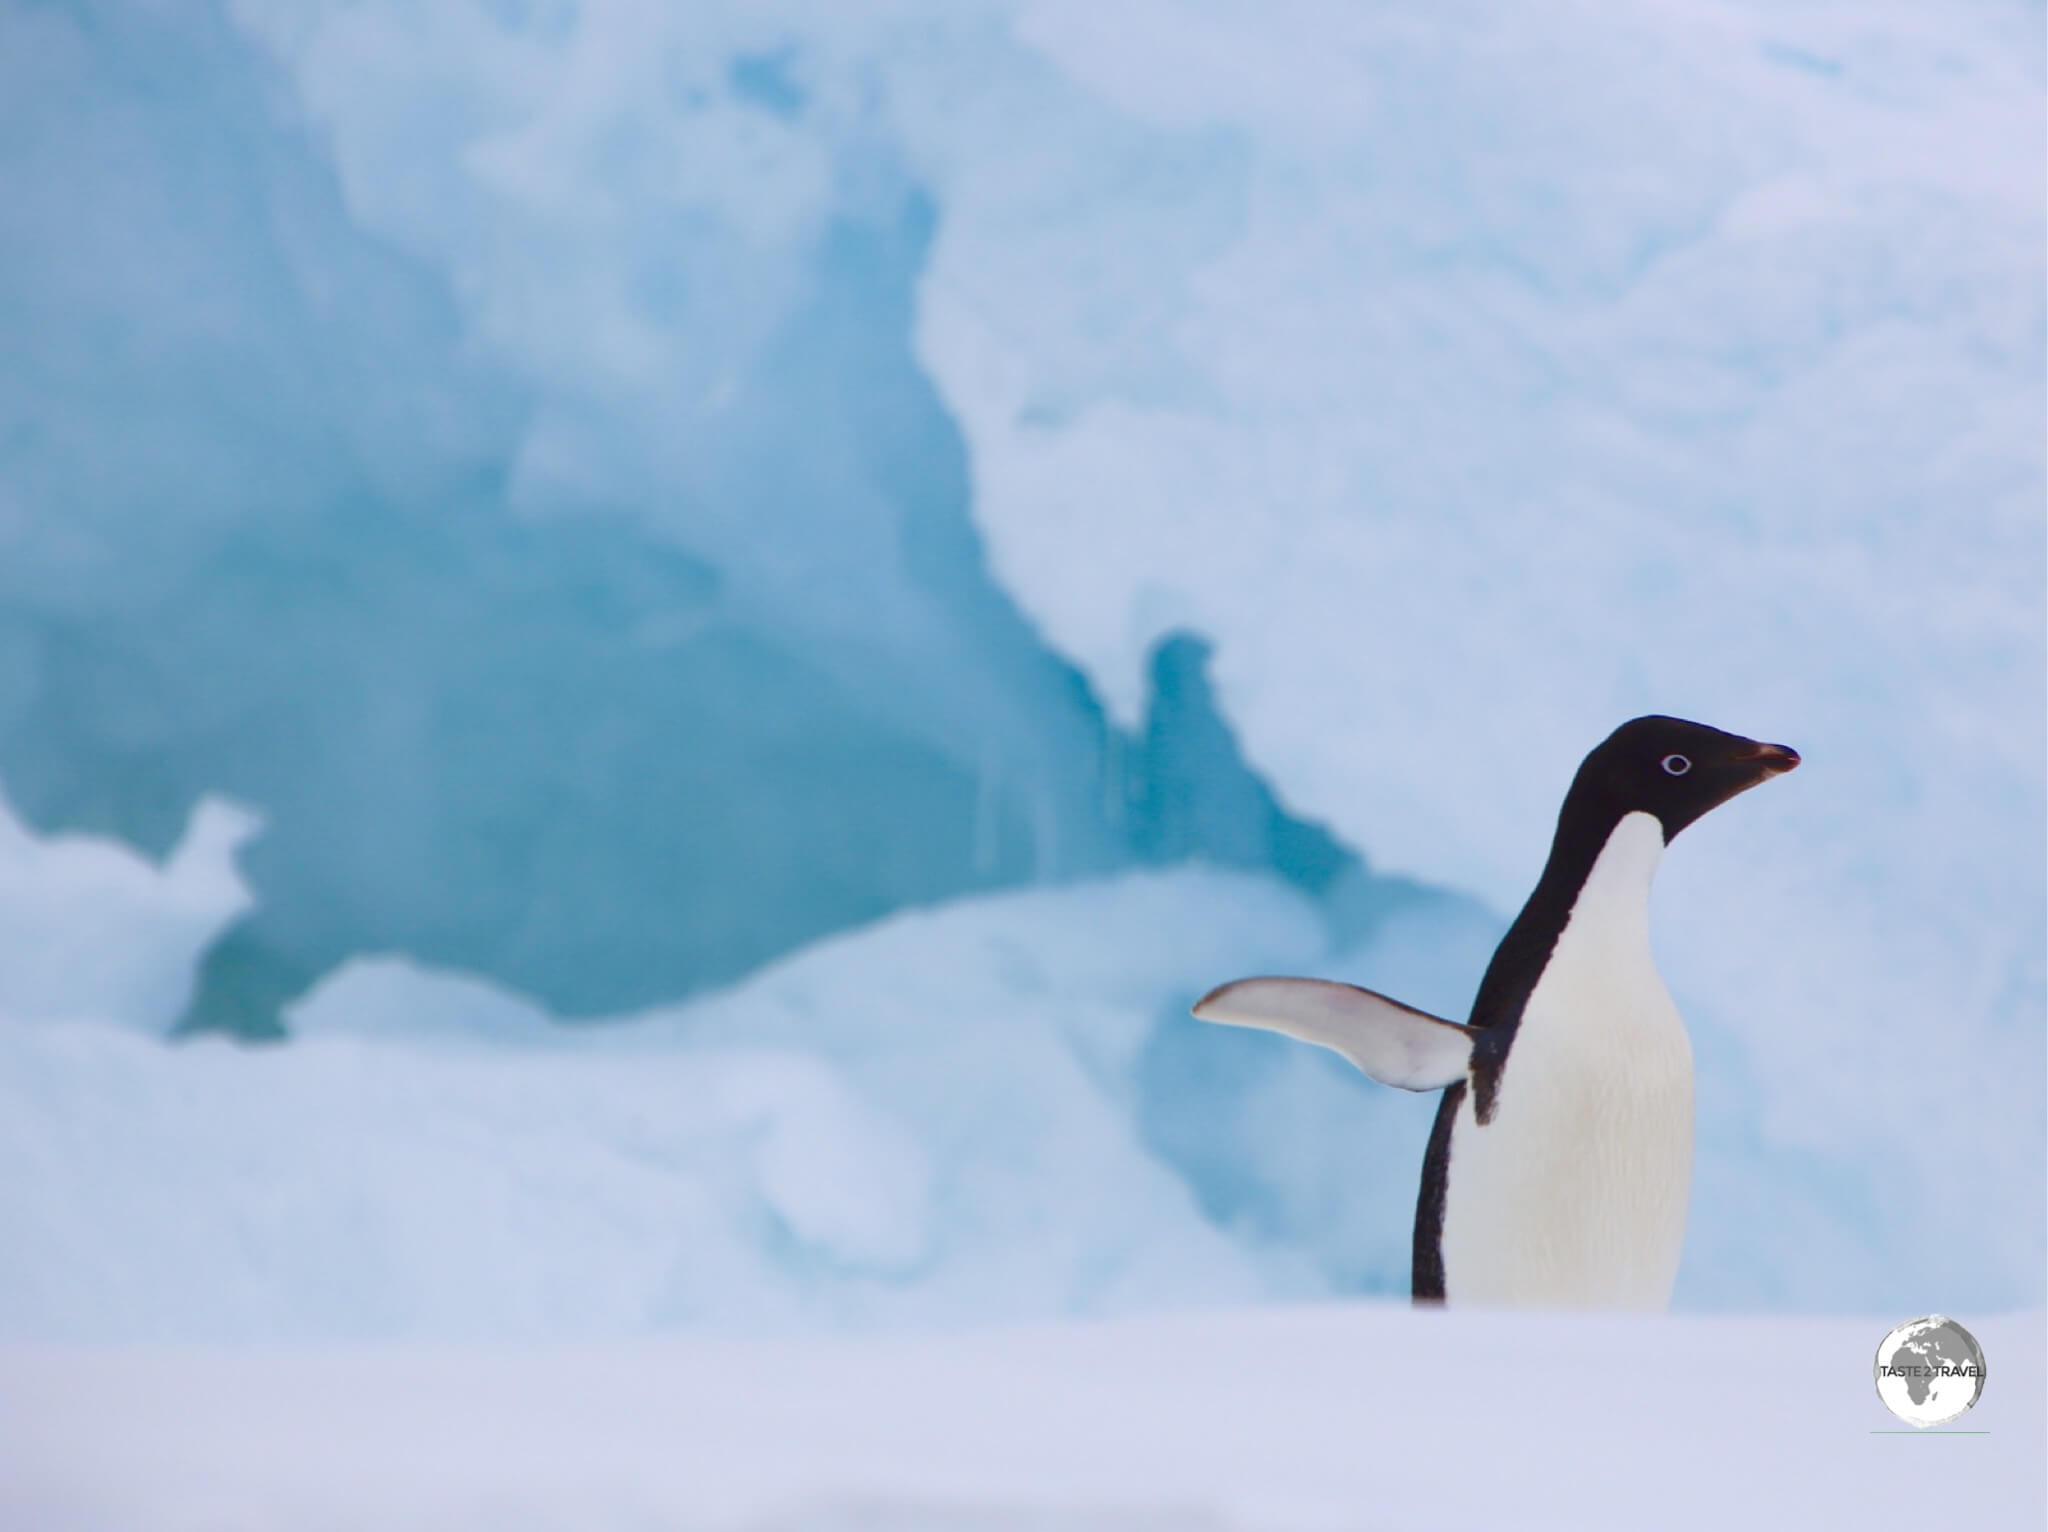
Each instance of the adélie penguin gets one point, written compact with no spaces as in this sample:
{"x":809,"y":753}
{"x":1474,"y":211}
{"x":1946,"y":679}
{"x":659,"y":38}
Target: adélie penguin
{"x":1560,"y":1164}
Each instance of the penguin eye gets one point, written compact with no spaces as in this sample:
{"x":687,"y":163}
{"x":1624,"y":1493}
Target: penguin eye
{"x":1677,"y":765}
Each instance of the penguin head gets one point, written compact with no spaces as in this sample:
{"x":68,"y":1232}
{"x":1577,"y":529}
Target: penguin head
{"x":1674,"y":769}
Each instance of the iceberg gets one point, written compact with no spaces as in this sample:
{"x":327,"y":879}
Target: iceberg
{"x":608,"y":684}
{"x":647,"y":508}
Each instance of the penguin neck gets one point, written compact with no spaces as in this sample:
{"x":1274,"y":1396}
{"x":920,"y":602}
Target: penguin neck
{"x":1612,"y":893}
{"x":1597,"y":880}
{"x":1600,"y":870}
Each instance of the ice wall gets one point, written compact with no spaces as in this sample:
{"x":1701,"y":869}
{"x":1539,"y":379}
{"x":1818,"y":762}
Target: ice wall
{"x":576,"y":574}
{"x":540,"y":458}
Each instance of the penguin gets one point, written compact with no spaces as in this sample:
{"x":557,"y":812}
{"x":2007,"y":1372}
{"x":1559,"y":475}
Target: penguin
{"x":1560,"y":1163}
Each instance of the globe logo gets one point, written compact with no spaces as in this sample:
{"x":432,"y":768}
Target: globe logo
{"x":1930,"y":1371}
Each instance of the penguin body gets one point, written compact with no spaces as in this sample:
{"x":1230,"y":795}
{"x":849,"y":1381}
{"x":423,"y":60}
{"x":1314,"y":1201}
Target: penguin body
{"x":1559,"y":1168}
{"x":1574,"y":1192}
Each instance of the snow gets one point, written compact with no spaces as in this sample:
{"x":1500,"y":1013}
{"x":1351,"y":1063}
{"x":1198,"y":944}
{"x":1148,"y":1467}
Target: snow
{"x":1328,"y":1416}
{"x":936,"y":1120}
{"x":96,"y":932}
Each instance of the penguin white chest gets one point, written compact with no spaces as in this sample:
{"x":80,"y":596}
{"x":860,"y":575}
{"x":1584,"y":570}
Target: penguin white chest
{"x":1574,"y":1193}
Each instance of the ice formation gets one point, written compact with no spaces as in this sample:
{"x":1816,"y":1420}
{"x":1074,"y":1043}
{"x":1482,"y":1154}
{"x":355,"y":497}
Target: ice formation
{"x":608,"y":684}
{"x":628,"y":494}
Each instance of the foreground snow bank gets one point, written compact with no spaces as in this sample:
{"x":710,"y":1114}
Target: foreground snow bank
{"x":1357,"y":1416}
{"x":934,"y":1120}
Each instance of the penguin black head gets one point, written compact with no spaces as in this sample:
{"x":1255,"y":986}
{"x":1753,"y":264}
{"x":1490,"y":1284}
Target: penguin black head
{"x":1673,"y":769}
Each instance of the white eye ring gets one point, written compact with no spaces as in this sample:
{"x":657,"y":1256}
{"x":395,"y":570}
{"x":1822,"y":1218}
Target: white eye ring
{"x":1677,"y":765}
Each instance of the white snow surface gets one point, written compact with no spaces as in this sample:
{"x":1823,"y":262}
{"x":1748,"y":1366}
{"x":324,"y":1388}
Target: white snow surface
{"x":1316,"y":1417}
{"x":932,"y":1121}
{"x":95,"y":931}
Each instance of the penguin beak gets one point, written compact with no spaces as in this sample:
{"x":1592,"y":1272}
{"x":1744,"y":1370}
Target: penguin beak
{"x":1770,"y":760}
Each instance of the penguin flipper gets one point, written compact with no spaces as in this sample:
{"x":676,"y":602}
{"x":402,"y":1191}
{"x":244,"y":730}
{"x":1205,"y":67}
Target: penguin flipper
{"x":1394,"y":1043}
